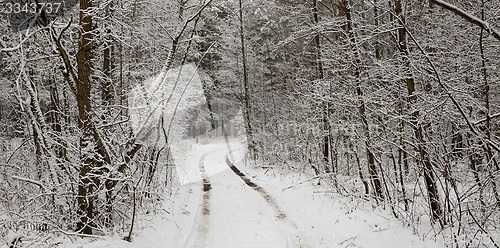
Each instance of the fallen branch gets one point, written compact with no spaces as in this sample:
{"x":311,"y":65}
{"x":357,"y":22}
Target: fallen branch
{"x":308,"y":180}
{"x":77,"y":234}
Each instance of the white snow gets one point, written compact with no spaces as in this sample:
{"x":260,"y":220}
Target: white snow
{"x":12,"y":236}
{"x":329,"y":220}
{"x":238,"y":216}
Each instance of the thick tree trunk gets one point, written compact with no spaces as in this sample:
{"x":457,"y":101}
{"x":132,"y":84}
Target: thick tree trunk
{"x":86,"y":196}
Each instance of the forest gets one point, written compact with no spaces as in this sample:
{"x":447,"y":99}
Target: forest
{"x":391,"y":102}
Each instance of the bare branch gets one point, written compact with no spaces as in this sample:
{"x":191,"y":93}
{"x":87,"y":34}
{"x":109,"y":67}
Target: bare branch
{"x":484,"y":119}
{"x":191,"y":19}
{"x":64,"y":55}
{"x":308,"y":180}
{"x":468,"y":17}
{"x":113,"y":124}
{"x":32,"y":181}
{"x":164,"y":29}
{"x":12,"y":49}
{"x":199,"y":11}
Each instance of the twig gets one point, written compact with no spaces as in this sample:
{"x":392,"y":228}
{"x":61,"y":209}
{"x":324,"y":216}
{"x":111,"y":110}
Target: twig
{"x":468,"y":17}
{"x":114,"y":123}
{"x":14,"y":152}
{"x":79,"y":234}
{"x":484,"y":119}
{"x":32,"y":181}
{"x":482,"y":228}
{"x":308,"y":180}
{"x":65,"y":57}
{"x":12,"y":49}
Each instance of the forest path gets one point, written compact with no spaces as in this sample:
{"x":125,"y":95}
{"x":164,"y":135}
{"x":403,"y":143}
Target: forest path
{"x":239,"y":206}
{"x":219,"y":202}
{"x":235,"y":212}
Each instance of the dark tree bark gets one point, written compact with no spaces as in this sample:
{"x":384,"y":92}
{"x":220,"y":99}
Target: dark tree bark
{"x":372,"y":169}
{"x":107,"y":94}
{"x":325,"y":106}
{"x":430,"y":180}
{"x":56,"y":121}
{"x":86,"y":184}
{"x":252,"y":149}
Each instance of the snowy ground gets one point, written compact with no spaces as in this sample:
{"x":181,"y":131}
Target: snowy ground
{"x":214,"y":207}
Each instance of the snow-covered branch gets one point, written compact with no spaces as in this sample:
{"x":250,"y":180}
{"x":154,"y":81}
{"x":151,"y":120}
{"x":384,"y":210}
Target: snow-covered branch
{"x":484,"y":119}
{"x":69,"y":71}
{"x":468,"y":17}
{"x":12,"y":49}
{"x":32,"y":181}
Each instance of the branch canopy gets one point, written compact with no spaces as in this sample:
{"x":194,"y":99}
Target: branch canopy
{"x":468,"y":17}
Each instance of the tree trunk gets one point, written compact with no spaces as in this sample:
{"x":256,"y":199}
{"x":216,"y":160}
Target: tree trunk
{"x":61,"y":151}
{"x":378,"y":51}
{"x":252,"y":149}
{"x":360,"y":172}
{"x":372,"y":170}
{"x":325,"y":106}
{"x":107,"y":94}
{"x":86,"y":181}
{"x":486,"y":95}
{"x":402,"y":157}
{"x":430,"y":181}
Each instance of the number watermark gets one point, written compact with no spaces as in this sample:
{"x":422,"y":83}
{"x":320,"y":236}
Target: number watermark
{"x":29,"y":8}
{"x":24,"y":14}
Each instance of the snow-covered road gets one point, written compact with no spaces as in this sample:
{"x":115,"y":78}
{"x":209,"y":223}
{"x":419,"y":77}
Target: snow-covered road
{"x":216,"y":206}
{"x":246,"y":207}
{"x":238,"y":214}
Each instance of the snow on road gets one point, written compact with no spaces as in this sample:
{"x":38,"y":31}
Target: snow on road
{"x":258,"y":213}
{"x":239,"y":215}
{"x":330,"y":221}
{"x":217,"y":208}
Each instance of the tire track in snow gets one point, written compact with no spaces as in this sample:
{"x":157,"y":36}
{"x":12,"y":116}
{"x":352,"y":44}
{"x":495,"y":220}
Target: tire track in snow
{"x":206,"y":189}
{"x":201,"y":231}
{"x":291,"y":228}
